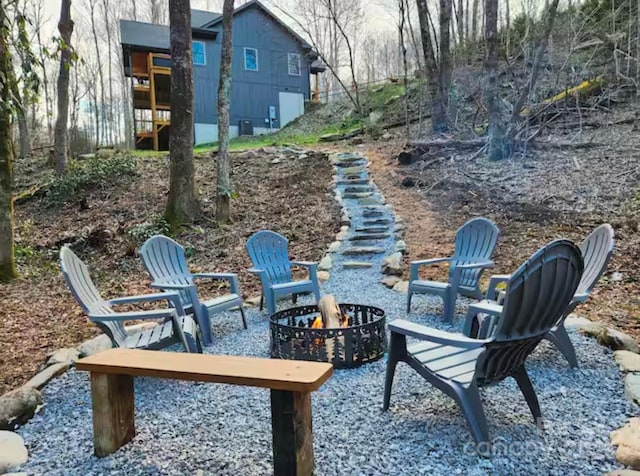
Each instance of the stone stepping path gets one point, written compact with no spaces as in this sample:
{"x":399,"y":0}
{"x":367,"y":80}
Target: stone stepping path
{"x":353,"y":181}
{"x":377,"y":222}
{"x":357,"y":195}
{"x":363,"y":250}
{"x":373,"y":230}
{"x":372,"y":213}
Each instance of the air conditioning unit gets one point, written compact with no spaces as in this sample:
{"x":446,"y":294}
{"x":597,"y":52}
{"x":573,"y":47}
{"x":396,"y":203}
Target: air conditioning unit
{"x":245,"y":128}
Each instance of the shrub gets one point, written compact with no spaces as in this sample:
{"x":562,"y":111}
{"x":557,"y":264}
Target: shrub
{"x":90,"y":174}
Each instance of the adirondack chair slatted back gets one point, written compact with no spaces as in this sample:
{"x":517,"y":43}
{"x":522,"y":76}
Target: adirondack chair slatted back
{"x":597,"y":250}
{"x":536,"y":297}
{"x":475,"y":241}
{"x":165,"y":261}
{"x":76,"y":274}
{"x":268,"y":250}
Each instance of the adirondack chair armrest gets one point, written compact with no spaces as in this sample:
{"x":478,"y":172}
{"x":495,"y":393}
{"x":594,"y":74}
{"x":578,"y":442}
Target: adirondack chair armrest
{"x":487,"y":307}
{"x":232,"y":278}
{"x":493,"y":284}
{"x":305,"y":264}
{"x":161,"y":285}
{"x":133,"y":315}
{"x":421,"y":332}
{"x":172,"y":298}
{"x":580,"y":298}
{"x":457,"y":271}
{"x":260,"y":272}
{"x":414,"y":266}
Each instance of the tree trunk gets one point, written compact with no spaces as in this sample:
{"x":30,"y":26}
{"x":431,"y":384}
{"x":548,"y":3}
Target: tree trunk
{"x":100,"y":119}
{"x":224,"y":191}
{"x":7,"y":255}
{"x":182,"y":205}
{"x":440,"y":111}
{"x":23,"y":127}
{"x":61,"y":139}
{"x":535,"y":69}
{"x":498,"y":145}
{"x":431,"y":67}
{"x":112,"y":121}
{"x":474,"y":20}
{"x":403,"y":11}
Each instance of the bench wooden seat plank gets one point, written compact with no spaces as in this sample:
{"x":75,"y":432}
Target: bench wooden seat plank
{"x":290,"y":382}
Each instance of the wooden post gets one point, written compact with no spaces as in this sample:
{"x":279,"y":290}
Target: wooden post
{"x":113,"y":416}
{"x":292,"y":436}
{"x":152,"y":99}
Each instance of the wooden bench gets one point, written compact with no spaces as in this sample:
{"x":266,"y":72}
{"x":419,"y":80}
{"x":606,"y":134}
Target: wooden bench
{"x":291,"y":383}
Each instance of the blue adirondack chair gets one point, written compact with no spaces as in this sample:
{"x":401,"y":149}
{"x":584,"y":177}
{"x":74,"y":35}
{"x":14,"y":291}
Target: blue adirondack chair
{"x":536,"y":298}
{"x":475,"y":243}
{"x":165,"y":261}
{"x":176,"y":328}
{"x":270,"y":258}
{"x":597,"y":250}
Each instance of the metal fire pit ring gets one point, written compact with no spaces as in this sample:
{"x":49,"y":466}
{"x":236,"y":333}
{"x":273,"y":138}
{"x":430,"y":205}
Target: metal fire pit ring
{"x":362,"y":341}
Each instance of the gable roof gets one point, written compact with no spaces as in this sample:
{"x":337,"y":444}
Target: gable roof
{"x":266,"y":11}
{"x":199,"y":18}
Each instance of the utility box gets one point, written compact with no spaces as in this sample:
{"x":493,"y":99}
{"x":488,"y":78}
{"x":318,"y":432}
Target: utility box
{"x":245,"y":128}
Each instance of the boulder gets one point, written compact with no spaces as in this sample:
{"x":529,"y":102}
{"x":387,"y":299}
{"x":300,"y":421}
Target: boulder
{"x":13,"y":452}
{"x":400,"y":247}
{"x":632,"y":388}
{"x":323,"y":276}
{"x":390,"y":281}
{"x":325,"y":263}
{"x":401,"y":287}
{"x":42,"y":378}
{"x":392,"y":264}
{"x":63,"y":356}
{"x":93,"y":346}
{"x":611,"y":338}
{"x":624,"y":472}
{"x":574,"y":322}
{"x":375,"y":117}
{"x":246,"y":154}
{"x":17,"y":406}
{"x":627,"y":439}
{"x":277,"y":160}
{"x":253,"y":301}
{"x":628,"y":361}
{"x":334,"y":247}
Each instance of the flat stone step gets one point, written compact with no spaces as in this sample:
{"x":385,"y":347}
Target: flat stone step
{"x":352,"y":163}
{"x":372,"y":213}
{"x":354,"y":170}
{"x":357,"y":196}
{"x":354,"y":181}
{"x":371,"y":236}
{"x":371,"y":200}
{"x":362,"y":189}
{"x":363,"y":250}
{"x":380,"y":221}
{"x":356,"y":265}
{"x":372,"y":230}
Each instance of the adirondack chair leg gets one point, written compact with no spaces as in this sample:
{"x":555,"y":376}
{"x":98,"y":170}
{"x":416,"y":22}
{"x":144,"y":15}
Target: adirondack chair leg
{"x":449,"y":305}
{"x":244,"y":318}
{"x":271,"y":302}
{"x":397,"y":352}
{"x":561,"y":340}
{"x":261,"y":301}
{"x":409,"y":295}
{"x":316,"y":290}
{"x":529,"y":393}
{"x":471,"y":406}
{"x":204,"y":323}
{"x":294,"y":298}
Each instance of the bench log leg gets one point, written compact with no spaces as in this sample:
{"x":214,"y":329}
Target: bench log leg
{"x":113,"y":416}
{"x":292,"y":436}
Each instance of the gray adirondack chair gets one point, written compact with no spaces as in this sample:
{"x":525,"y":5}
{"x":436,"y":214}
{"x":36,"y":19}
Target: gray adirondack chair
{"x":475,"y":243}
{"x":269,"y":255}
{"x":597,"y":250}
{"x":176,"y":328}
{"x":165,"y":261}
{"x":536,"y":297}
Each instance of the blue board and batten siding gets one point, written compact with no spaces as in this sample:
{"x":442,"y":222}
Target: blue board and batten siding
{"x":252,"y":92}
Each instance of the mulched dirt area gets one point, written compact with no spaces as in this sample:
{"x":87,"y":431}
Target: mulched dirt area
{"x":550,"y":194}
{"x":289,"y":195}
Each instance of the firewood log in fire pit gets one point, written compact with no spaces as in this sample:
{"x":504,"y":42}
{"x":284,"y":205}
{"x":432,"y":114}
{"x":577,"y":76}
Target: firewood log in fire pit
{"x":332,"y":318}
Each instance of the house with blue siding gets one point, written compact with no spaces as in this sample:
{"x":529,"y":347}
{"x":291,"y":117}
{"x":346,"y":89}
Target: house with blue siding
{"x":270,"y":75}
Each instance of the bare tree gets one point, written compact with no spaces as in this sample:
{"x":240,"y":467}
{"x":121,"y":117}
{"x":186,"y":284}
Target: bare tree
{"x":182,"y":205}
{"x":61,"y":139}
{"x":112,"y":121}
{"x":224,"y":191}
{"x":403,"y":13}
{"x":7,"y":255}
{"x":99,"y":117}
{"x":36,"y":13}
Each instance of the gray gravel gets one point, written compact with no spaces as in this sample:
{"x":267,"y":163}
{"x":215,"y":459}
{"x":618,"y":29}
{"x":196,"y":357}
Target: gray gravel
{"x":187,"y":428}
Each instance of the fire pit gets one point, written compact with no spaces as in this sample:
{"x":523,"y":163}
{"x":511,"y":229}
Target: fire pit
{"x":298,"y":333}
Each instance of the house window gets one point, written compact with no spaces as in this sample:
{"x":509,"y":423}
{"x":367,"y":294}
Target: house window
{"x":251,"y":59}
{"x":293,"y":60}
{"x":199,"y":57}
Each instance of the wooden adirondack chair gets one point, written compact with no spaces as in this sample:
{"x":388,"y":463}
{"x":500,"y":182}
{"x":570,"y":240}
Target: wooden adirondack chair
{"x":270,"y":257}
{"x":597,"y":250}
{"x":475,"y":243}
{"x":176,"y":328}
{"x":536,"y":297}
{"x":165,"y":261}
